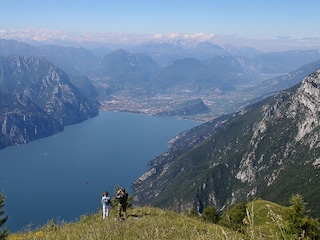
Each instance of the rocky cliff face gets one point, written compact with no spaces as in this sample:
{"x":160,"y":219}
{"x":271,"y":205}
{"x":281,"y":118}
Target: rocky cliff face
{"x":42,"y":99}
{"x":22,"y":121}
{"x":268,"y":150}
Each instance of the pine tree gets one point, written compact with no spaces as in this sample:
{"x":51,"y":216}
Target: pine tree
{"x":3,"y":233}
{"x":298,"y":224}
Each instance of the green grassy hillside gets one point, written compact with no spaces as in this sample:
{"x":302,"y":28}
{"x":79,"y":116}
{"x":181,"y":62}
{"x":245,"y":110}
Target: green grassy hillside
{"x":263,"y":221}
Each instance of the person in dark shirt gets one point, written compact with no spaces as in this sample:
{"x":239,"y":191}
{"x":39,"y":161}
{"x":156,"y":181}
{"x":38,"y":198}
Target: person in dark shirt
{"x":122,"y":197}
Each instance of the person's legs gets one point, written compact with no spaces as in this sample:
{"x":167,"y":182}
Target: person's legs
{"x":124,"y":209}
{"x":119,"y":210}
{"x":107,"y":211}
{"x":104,"y":212}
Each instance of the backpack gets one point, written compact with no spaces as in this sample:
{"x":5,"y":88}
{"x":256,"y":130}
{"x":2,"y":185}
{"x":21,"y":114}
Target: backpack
{"x":107,"y":201}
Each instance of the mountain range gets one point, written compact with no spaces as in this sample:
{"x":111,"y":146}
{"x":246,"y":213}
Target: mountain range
{"x":224,"y":78}
{"x":267,"y":150}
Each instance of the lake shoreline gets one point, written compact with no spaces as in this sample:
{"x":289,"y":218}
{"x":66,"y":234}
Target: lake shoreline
{"x":81,"y":162}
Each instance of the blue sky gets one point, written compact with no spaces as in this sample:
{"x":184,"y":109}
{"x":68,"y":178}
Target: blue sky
{"x":258,"y":19}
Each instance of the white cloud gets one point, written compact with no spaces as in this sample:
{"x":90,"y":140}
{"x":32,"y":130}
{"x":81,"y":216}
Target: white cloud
{"x":54,"y":36}
{"x":46,"y":35}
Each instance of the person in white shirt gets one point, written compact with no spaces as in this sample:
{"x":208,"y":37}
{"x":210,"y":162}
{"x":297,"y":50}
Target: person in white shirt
{"x":105,"y":201}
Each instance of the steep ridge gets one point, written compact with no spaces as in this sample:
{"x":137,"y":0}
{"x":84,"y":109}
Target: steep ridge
{"x":268,"y":150}
{"x":35,"y":93}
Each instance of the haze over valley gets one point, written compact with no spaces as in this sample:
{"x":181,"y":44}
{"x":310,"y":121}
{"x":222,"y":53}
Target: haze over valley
{"x":200,"y":82}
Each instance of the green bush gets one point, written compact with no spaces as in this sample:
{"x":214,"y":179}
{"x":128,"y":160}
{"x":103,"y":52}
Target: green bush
{"x":233,"y":217}
{"x":210,"y":214}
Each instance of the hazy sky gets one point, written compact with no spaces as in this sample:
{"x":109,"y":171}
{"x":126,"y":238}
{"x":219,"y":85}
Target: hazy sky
{"x":258,"y":19}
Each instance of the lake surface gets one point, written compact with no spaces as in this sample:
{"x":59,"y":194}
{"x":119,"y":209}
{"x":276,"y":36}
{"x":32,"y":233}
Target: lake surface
{"x":62,"y":177}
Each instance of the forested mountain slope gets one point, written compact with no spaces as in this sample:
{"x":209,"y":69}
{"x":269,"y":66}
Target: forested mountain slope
{"x":268,"y":150}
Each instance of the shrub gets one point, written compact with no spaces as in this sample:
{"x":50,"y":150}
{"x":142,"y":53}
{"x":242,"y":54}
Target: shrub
{"x":210,"y":214}
{"x":233,"y":217}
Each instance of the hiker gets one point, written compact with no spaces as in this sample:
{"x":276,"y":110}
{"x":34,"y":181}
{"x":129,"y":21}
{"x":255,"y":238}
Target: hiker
{"x":122,"y":197}
{"x":105,"y":201}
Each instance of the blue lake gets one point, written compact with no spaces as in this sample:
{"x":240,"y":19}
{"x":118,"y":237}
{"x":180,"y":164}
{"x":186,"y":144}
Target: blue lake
{"x":62,"y":177}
